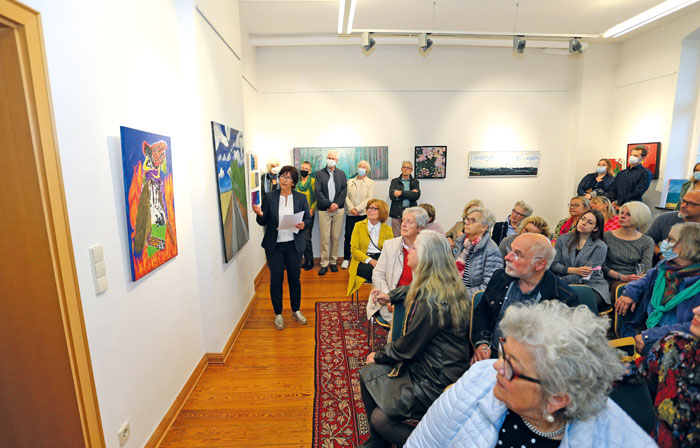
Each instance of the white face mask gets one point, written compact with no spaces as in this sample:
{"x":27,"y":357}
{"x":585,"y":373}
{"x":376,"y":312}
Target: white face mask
{"x":330,"y":163}
{"x":633,"y":160}
{"x":696,"y":176}
{"x":275,"y":170}
{"x":601,"y":169}
{"x":361,"y":171}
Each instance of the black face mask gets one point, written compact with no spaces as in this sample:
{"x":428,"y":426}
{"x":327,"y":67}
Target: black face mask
{"x":304,"y":173}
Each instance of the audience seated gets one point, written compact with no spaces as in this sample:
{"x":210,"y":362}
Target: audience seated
{"x":577,"y":206}
{"x":478,"y":256}
{"x":366,"y":244}
{"x":672,"y":367}
{"x":692,"y":184}
{"x":531,"y":224}
{"x":663,"y":300}
{"x":403,"y":379}
{"x":604,"y":206}
{"x":526,"y":278}
{"x":549,"y":387}
{"x":597,"y":183}
{"x":581,"y":254}
{"x":458,"y":228}
{"x":392,"y":268}
{"x":432,"y":225}
{"x":509,"y":227}
{"x":628,"y":246}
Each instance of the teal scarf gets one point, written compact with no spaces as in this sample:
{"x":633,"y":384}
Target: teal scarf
{"x":657,"y":296}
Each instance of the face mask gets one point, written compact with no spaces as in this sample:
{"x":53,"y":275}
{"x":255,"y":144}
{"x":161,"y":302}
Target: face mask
{"x":601,"y":169}
{"x":361,"y":171}
{"x":696,"y":176}
{"x":304,"y":173}
{"x":633,"y":160}
{"x":330,"y":163}
{"x":666,"y":249}
{"x":275,"y":170}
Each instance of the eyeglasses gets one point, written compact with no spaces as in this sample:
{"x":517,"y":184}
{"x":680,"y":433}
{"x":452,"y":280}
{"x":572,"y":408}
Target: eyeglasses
{"x":508,"y":370}
{"x":372,"y":209}
{"x":575,"y":205}
{"x":406,"y":168}
{"x":517,"y":257}
{"x":518,"y":213}
{"x":472,"y":220}
{"x":286,"y":176}
{"x":692,"y":204}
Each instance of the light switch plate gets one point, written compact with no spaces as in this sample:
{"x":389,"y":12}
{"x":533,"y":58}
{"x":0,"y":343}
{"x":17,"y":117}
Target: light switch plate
{"x":101,"y":284}
{"x":100,"y":269}
{"x":97,"y":253}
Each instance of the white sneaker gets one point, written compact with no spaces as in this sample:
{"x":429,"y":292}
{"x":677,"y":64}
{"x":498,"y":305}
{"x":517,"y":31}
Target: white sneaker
{"x":345,"y":264}
{"x":299,"y":317}
{"x":279,"y":322}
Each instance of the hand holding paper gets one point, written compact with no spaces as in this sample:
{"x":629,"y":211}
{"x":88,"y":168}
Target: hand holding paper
{"x":289,"y":222}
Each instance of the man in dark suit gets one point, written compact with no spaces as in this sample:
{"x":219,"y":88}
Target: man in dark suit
{"x":331,"y":190}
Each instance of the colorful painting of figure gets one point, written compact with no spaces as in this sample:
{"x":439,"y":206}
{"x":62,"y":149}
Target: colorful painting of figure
{"x":150,"y":206}
{"x":233,"y":198}
{"x":430,"y":162}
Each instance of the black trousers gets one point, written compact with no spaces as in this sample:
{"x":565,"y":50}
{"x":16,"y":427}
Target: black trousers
{"x":306,"y":234}
{"x":350,"y":222}
{"x":284,"y":256}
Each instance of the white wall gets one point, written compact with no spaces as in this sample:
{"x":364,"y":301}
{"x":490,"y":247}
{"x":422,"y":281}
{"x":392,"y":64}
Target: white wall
{"x":155,"y":66}
{"x":318,"y":96}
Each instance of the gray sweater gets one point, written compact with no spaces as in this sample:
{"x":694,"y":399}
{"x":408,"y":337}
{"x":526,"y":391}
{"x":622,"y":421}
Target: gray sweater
{"x":592,"y":254}
{"x":623,"y":255}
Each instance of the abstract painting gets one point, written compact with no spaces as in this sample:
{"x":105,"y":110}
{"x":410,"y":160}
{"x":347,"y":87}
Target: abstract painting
{"x":506,"y":163}
{"x":651,"y":162}
{"x":430,"y":162}
{"x":233,"y":197}
{"x":348,"y":158}
{"x":617,"y":165}
{"x":673,"y":192}
{"x":150,"y":206}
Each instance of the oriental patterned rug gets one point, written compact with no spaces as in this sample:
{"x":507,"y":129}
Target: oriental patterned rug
{"x":341,"y":349}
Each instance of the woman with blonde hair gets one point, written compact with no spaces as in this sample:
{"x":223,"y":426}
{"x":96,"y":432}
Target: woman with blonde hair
{"x":366,"y":244}
{"x":531,"y":224}
{"x":597,"y":183}
{"x":457,"y":229}
{"x":402,"y":380}
{"x":604,"y":206}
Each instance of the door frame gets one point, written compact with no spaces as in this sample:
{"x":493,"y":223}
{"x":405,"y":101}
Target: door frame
{"x":26,"y":24}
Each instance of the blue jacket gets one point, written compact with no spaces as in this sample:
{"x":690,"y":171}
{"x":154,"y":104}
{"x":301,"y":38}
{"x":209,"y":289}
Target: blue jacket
{"x":641,"y":291}
{"x":468,"y":415}
{"x":483,"y":262}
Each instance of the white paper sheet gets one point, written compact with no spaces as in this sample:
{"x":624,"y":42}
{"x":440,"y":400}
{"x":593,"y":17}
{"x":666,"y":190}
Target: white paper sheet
{"x":289,"y":222}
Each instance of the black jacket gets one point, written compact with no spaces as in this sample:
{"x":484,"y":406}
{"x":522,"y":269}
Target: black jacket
{"x":500,"y":231}
{"x":630,"y":185}
{"x":487,"y":310}
{"x":270,"y":218}
{"x":589,"y":183}
{"x":396,"y":210}
{"x":341,"y":188}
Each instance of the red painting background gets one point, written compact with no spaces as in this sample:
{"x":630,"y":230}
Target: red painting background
{"x":652,"y":160}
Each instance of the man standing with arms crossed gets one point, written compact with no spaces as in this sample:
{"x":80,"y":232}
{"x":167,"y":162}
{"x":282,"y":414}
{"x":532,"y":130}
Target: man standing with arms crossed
{"x":404,"y":192}
{"x":331,"y":190}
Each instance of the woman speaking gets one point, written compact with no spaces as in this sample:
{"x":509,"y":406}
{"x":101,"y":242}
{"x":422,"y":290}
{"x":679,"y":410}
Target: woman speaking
{"x":283,"y":248}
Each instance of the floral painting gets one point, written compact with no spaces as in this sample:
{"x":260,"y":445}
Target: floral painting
{"x":430,"y":162}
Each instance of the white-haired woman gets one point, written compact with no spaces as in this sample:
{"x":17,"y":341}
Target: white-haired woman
{"x":269,"y":181}
{"x":478,"y":256}
{"x":360,"y":190}
{"x":550,"y":388}
{"x":392,"y":268}
{"x":400,"y":381}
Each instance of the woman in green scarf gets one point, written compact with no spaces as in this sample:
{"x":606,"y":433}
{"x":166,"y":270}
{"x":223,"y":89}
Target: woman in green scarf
{"x":663,"y":300}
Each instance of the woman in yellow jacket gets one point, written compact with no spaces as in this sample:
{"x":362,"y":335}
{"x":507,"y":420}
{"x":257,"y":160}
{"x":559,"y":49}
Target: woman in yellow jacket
{"x":366,"y":244}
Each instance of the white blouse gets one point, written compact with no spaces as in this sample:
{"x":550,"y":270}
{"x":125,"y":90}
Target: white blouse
{"x":286,"y":208}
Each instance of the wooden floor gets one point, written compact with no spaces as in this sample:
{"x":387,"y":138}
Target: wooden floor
{"x":263,"y":395}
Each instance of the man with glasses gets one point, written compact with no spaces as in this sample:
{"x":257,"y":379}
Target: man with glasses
{"x":404,"y":192}
{"x":689,"y":212}
{"x":526,"y":278}
{"x":520,"y":211}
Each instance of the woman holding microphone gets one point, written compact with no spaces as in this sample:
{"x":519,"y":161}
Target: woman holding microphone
{"x":284,"y":248}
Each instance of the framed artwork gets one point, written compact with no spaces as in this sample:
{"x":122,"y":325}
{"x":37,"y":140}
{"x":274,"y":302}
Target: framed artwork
{"x":430,"y":162}
{"x":348,"y":158}
{"x":617,"y":165}
{"x":503,"y":163}
{"x":651,"y":162}
{"x":150,"y":205}
{"x":673,"y":192}
{"x":233,"y":197}
{"x":254,"y":162}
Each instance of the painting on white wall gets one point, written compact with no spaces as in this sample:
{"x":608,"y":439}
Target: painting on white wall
{"x":503,"y":163}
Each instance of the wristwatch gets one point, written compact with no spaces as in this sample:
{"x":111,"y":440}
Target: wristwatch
{"x":619,"y":277}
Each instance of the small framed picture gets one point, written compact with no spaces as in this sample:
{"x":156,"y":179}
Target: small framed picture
{"x":430,"y":162}
{"x":651,"y":162}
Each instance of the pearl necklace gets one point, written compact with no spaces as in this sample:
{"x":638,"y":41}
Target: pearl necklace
{"x":547,"y":435}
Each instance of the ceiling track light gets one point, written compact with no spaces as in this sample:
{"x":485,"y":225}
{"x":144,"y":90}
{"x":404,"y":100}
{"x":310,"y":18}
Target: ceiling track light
{"x":367,"y":41}
{"x":424,"y":42}
{"x":575,"y":46}
{"x":519,"y":43}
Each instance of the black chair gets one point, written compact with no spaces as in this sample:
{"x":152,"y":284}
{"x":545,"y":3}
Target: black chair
{"x":635,"y":400}
{"x":395,"y":328}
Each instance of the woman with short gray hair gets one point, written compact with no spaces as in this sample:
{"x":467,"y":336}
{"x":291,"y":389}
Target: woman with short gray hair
{"x":478,"y":256}
{"x":553,"y":376}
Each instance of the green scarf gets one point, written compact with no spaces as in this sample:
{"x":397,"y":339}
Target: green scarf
{"x":666,"y":285}
{"x":302,"y":187}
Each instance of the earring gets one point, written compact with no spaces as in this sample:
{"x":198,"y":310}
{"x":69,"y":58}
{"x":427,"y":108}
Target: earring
{"x":549,"y":418}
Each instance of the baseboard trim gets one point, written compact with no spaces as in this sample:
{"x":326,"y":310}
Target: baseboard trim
{"x":208,"y":358}
{"x":170,"y":416}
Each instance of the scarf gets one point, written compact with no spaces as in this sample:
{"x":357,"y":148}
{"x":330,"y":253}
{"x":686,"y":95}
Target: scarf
{"x":305,"y":186}
{"x":665,"y":295}
{"x":566,"y":228}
